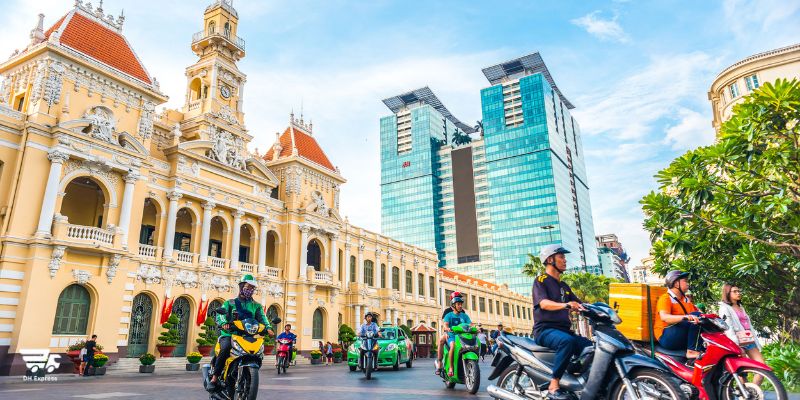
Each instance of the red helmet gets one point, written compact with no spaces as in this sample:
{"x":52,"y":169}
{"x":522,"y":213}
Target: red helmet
{"x":454,"y":295}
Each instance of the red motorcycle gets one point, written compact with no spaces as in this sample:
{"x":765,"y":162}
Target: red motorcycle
{"x":722,"y":372}
{"x":284,"y":355}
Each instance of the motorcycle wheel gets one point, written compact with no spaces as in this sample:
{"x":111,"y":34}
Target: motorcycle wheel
{"x":730,"y":390}
{"x":352,"y":368}
{"x":368,"y":368}
{"x":472,"y":376}
{"x":651,"y":384}
{"x":279,"y":364}
{"x":524,"y":383}
{"x":449,"y":384}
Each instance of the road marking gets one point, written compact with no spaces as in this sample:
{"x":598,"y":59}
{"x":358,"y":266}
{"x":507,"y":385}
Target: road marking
{"x":19,"y":390}
{"x":376,"y":390}
{"x":107,"y":395}
{"x":290,"y":378}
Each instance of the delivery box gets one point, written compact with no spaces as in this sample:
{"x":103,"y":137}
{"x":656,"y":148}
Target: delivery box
{"x":631,"y":300}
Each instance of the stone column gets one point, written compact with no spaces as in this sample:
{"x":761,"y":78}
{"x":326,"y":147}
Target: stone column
{"x":389,"y":279}
{"x":172,"y":215}
{"x":127,"y":205}
{"x":394,"y":316}
{"x":48,"y":210}
{"x":304,"y":229}
{"x":334,"y":263}
{"x":360,"y":265}
{"x":205,"y":231}
{"x":388,"y":315}
{"x":237,"y":230}
{"x":262,"y":246}
{"x":358,"y":317}
{"x":346,"y":265}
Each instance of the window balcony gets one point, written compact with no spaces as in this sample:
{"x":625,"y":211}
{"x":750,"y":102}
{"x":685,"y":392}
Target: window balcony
{"x":90,"y":234}
{"x":323,"y":277}
{"x":247,"y":267}
{"x":185,"y":257}
{"x":272,"y":272}
{"x":152,"y":252}
{"x":217,"y":263}
{"x":227,"y":36}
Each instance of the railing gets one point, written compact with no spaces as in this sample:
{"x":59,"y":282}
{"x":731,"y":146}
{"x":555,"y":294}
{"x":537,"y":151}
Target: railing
{"x":217,"y":263}
{"x":10,"y":112}
{"x":194,"y":105}
{"x":184,"y":257}
{"x":92,"y":233}
{"x":247,"y":267}
{"x":237,"y":41}
{"x":145,"y":250}
{"x":272,"y":272}
{"x":323,"y":276}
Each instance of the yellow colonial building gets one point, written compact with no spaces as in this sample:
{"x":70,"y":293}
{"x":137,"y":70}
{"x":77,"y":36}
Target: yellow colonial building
{"x":111,"y":211}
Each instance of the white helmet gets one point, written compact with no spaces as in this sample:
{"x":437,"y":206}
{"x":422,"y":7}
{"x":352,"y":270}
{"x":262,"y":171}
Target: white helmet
{"x":551,"y":249}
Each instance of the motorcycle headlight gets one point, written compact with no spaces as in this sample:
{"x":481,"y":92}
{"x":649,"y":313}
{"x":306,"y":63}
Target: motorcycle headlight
{"x":251,"y":328}
{"x":376,"y":347}
{"x":391,"y":347}
{"x":720,"y":323}
{"x":236,"y":349}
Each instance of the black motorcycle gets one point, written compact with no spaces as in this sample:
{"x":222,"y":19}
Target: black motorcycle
{"x":368,"y":353}
{"x":611,"y":369}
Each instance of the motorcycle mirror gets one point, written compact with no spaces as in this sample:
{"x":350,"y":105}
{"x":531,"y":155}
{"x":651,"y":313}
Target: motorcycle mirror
{"x":276,"y":321}
{"x":616,"y":306}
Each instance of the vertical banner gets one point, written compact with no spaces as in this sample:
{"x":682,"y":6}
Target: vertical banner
{"x":201,"y":312}
{"x":166,"y":309}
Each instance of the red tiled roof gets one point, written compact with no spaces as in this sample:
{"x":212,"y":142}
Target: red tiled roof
{"x":103,"y":44}
{"x":307,"y":147}
{"x":461,"y":277}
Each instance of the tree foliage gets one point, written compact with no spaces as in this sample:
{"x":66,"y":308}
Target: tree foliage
{"x":209,"y":334}
{"x":170,"y":336}
{"x":346,"y":334}
{"x":588,"y":287}
{"x":533,"y":267}
{"x":730,"y":212}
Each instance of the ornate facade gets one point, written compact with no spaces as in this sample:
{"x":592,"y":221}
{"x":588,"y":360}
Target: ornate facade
{"x":112,"y":214}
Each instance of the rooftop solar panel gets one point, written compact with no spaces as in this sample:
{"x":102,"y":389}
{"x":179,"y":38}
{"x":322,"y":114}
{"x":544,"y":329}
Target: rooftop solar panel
{"x":531,"y":64}
{"x":426,"y":96}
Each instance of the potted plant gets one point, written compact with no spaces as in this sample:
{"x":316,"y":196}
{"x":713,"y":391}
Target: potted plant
{"x":194,"y":359}
{"x":269,"y":344}
{"x":74,"y":351}
{"x":316,"y":357}
{"x":346,"y":335}
{"x":208,"y":337}
{"x":337,"y":354}
{"x":100,"y":361}
{"x":169,"y":338}
{"x":147,"y":361}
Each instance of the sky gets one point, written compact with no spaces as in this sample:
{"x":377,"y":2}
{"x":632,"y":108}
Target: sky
{"x":638,"y":73}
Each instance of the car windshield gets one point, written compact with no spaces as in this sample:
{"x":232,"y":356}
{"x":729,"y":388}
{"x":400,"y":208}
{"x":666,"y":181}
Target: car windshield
{"x":388,"y":333}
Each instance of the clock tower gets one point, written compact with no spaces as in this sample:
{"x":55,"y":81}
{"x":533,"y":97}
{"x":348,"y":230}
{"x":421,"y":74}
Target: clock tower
{"x":214,"y":84}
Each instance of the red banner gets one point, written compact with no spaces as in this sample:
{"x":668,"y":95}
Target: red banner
{"x":166,"y":309}
{"x":201,"y":312}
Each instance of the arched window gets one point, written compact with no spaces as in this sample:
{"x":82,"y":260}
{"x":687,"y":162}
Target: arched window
{"x":369,"y":272}
{"x":395,"y":278}
{"x":317,"y":330}
{"x":314,"y":255}
{"x":352,"y":268}
{"x":383,"y":276}
{"x":227,"y":29}
{"x":409,"y":282}
{"x":212,"y":27}
{"x":421,"y":284}
{"x":72,"y":311}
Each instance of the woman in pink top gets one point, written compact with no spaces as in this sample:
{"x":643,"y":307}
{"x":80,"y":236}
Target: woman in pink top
{"x":740,"y":328}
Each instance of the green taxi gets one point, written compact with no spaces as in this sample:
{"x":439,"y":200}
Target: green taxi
{"x":395,"y":349}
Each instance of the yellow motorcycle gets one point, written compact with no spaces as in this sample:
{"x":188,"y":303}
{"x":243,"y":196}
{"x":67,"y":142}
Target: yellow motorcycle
{"x":239,"y":380}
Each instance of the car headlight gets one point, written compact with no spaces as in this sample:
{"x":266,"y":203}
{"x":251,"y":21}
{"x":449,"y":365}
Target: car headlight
{"x":391,"y":347}
{"x":236,"y":349}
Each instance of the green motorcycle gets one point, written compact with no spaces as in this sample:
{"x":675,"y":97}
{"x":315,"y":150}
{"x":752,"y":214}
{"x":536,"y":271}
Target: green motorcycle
{"x":466,"y":351}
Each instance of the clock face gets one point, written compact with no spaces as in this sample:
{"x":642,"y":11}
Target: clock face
{"x":225,"y":92}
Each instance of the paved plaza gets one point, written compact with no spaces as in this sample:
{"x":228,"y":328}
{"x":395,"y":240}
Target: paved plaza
{"x":302,"y":382}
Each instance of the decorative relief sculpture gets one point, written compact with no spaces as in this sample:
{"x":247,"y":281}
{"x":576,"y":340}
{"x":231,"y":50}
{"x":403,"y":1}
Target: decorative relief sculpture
{"x":318,"y":204}
{"x":146,"y":119}
{"x":52,"y":86}
{"x":81,"y":276}
{"x":102,"y":123}
{"x":227,"y":149}
{"x":149,"y":274}
{"x":311,"y":290}
{"x":225,"y":113}
{"x":55,"y":260}
{"x":111,"y":272}
{"x":221,"y":283}
{"x":38,"y":81}
{"x":274,"y":290}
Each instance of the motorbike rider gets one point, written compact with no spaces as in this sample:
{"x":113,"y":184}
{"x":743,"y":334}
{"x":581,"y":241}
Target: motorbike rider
{"x":369,"y":325}
{"x":552,"y":301}
{"x":457,"y":317}
{"x":241,"y":307}
{"x":287,"y":334}
{"x":443,"y":337}
{"x":672,"y":331}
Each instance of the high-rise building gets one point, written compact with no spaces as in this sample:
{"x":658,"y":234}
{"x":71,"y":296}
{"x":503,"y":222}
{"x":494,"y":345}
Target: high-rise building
{"x":484,"y":200}
{"x":612,"y":258}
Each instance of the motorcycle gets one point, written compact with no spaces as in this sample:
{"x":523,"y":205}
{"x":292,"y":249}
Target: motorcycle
{"x":610,"y":369}
{"x":239,"y":379}
{"x":466,"y":350}
{"x":368,"y":354}
{"x":722,"y":372}
{"x":284,"y":355}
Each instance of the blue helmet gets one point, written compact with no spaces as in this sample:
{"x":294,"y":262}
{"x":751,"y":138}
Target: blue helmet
{"x":456,"y":300}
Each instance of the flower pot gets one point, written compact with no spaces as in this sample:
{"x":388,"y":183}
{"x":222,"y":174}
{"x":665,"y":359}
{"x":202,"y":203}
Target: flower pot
{"x":165,"y":351}
{"x":205,"y":350}
{"x":337,"y":360}
{"x":99,"y":370}
{"x":74,"y":356}
{"x":315,"y":361}
{"x":147,"y":369}
{"x":192,"y":366}
{"x":268,"y":349}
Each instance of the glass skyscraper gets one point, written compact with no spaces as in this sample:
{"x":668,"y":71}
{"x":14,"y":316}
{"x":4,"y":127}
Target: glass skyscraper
{"x":485,"y":205}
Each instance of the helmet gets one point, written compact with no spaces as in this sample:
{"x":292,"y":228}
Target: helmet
{"x":454,"y":295}
{"x":551,"y":249}
{"x":674,"y":276}
{"x":456,"y":300}
{"x":248,"y":278}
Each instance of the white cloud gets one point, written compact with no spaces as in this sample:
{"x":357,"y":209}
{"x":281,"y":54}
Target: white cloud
{"x":694,"y":129}
{"x":764,"y":24}
{"x":604,"y":29}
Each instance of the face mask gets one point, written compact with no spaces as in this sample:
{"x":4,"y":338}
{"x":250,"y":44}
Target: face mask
{"x":247,"y":293}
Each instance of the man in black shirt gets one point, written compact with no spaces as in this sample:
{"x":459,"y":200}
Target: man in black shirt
{"x":552,"y":301}
{"x":90,"y":345}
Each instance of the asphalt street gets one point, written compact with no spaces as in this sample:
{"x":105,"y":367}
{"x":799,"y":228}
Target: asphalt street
{"x":302,"y":382}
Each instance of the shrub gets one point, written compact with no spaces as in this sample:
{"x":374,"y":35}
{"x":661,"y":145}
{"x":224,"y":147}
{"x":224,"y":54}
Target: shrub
{"x":100,"y":360}
{"x":784,"y":359}
{"x":170,"y":337}
{"x":147,"y":359}
{"x":194,"y":357}
{"x":346,"y":334}
{"x":316,"y":354}
{"x":209,"y":334}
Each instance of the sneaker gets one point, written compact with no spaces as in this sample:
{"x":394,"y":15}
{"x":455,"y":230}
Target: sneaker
{"x":559,"y":395}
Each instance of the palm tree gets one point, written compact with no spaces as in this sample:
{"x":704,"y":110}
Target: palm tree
{"x":588,"y":287}
{"x":533,"y":267}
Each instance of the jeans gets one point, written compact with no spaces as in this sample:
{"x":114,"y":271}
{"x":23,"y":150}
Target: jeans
{"x":224,"y":353}
{"x":681,"y":336}
{"x":566,"y":345}
{"x":89,"y":357}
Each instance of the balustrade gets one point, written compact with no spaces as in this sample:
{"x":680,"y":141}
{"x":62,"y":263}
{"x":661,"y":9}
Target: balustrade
{"x":90,"y":233}
{"x":272,"y":272}
{"x":184,"y":257}
{"x":217,"y":263}
{"x":247,"y":267}
{"x":145,"y":250}
{"x":323,"y":276}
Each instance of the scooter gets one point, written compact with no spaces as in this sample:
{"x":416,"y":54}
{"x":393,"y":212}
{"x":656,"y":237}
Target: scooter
{"x":368,"y":355}
{"x":611,"y":369}
{"x":466,"y":349}
{"x":722,"y":372}
{"x":284,"y":355}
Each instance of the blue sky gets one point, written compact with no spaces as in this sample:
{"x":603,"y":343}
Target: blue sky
{"x":638,"y":73}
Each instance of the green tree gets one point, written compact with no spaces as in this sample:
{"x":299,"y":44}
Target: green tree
{"x":461,"y":138}
{"x":346,"y":334}
{"x":170,"y":337}
{"x":589,"y":287}
{"x":406,"y":329}
{"x":731,"y":211}
{"x":209,"y":334}
{"x":533,"y":267}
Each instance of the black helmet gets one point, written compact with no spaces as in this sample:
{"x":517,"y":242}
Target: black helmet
{"x":674,"y":276}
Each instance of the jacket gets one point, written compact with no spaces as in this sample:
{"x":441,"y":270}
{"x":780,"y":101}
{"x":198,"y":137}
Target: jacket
{"x":734,"y":325}
{"x":228,"y":309}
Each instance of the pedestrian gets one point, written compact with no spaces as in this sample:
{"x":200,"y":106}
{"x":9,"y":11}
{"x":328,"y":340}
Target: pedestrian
{"x":740,"y":328}
{"x":82,"y":358}
{"x":482,"y":340}
{"x":90,"y":347}
{"x":329,"y":353}
{"x":494,"y":335}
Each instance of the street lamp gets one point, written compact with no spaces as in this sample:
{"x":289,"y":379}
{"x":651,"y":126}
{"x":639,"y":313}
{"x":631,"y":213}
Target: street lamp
{"x":549,"y":229}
